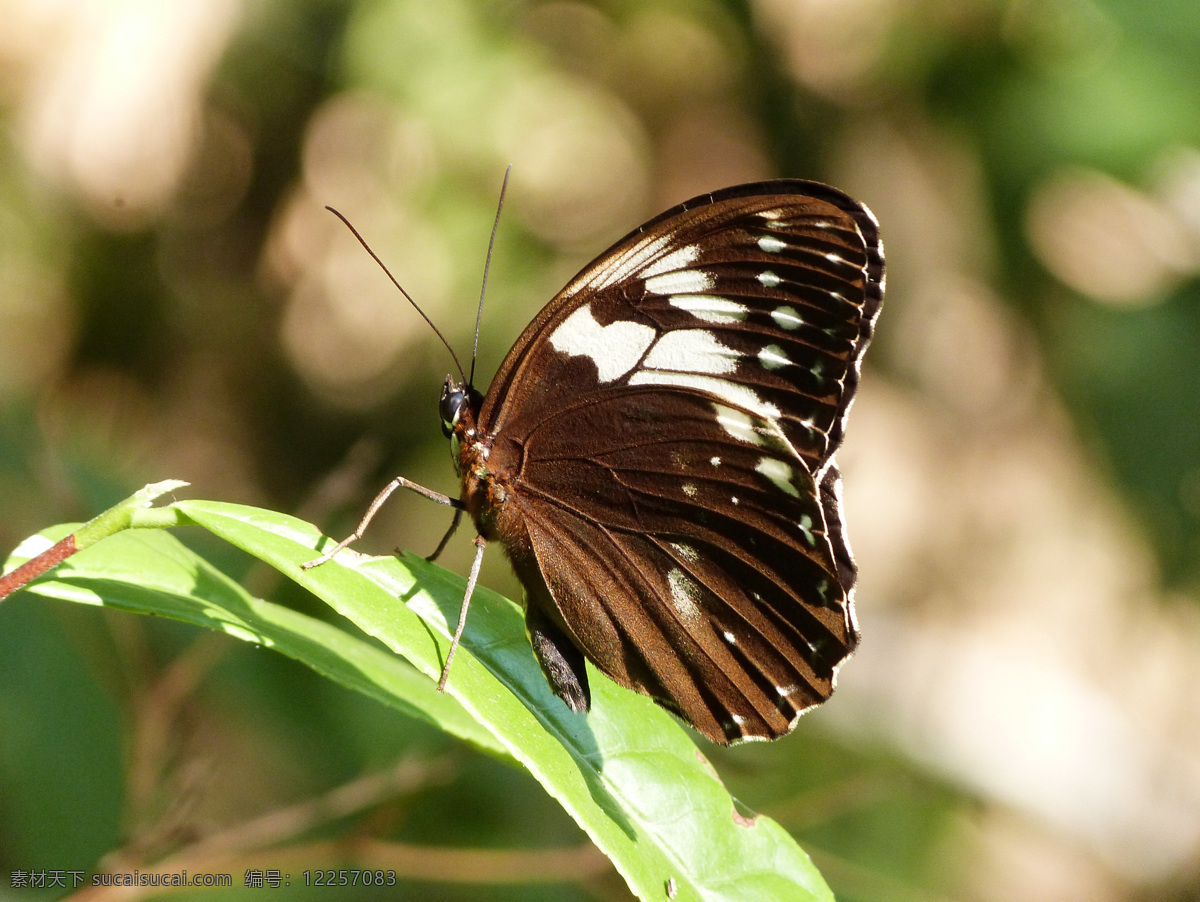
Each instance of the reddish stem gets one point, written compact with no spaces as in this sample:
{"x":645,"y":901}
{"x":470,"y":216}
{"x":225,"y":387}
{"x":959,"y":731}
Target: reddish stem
{"x":35,"y":567}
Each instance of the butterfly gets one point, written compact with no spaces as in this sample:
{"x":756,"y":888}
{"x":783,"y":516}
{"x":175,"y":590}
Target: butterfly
{"x":656,"y":457}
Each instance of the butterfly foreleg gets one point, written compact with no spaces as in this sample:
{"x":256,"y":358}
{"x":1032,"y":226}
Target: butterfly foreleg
{"x":397,"y":483}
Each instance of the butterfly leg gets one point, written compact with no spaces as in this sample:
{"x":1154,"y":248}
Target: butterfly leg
{"x":480,"y":543}
{"x":437,"y":552}
{"x":397,"y":483}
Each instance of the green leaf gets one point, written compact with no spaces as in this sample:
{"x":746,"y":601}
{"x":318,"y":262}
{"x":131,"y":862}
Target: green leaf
{"x":149,"y":571}
{"x":627,"y":772}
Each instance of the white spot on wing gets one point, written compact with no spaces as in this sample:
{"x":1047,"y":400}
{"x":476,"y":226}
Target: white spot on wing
{"x":737,"y":424}
{"x":685,"y":551}
{"x":685,"y":280}
{"x":772,"y":357}
{"x":715,"y":461}
{"x":689,"y":490}
{"x":771,"y":245}
{"x":787,"y":318}
{"x":805,"y":525}
{"x":625,"y":266}
{"x":673,"y":261}
{"x":685,"y":594}
{"x":731,"y":392}
{"x":692,"y":351}
{"x":768,"y":279}
{"x":711,"y":309}
{"x":615,"y":348}
{"x":780,"y":475}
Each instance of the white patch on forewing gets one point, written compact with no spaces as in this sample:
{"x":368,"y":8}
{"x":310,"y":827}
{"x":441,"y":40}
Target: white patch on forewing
{"x":625,"y":266}
{"x":680,"y":282}
{"x":615,"y":348}
{"x":787,"y":318}
{"x":673,"y":261}
{"x":737,"y":424}
{"x":692,"y":351}
{"x":772,"y":357}
{"x":779,"y":473}
{"x":768,"y":279}
{"x":731,"y":392}
{"x":711,"y":309}
{"x":771,"y":245}
{"x":685,"y":594}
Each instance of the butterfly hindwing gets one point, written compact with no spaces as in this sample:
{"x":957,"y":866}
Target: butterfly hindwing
{"x":663,"y":435}
{"x":674,"y":563}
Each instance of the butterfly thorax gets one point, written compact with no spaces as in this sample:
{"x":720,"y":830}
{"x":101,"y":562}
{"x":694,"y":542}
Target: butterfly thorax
{"x":484,"y":487}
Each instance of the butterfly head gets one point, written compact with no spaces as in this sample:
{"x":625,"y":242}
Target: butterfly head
{"x":458,"y":408}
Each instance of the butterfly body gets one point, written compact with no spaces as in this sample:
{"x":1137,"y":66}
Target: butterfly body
{"x":655,"y":455}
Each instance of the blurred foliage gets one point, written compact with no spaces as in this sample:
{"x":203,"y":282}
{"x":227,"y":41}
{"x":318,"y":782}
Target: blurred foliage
{"x":226,"y":332}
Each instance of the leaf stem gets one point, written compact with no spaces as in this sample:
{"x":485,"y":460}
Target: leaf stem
{"x":134,"y":512}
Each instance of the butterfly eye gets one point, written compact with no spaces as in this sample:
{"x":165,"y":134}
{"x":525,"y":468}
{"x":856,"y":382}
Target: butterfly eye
{"x":450,"y":408}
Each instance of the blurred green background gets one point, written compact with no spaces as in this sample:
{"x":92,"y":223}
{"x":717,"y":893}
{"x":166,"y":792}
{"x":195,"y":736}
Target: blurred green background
{"x":1022,"y":466}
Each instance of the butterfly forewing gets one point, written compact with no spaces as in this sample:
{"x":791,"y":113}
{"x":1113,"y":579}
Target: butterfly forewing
{"x":661,"y":439}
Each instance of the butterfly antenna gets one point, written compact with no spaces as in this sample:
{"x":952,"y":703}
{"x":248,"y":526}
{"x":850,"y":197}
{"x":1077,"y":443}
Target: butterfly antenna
{"x":487,"y":263}
{"x":408,"y":297}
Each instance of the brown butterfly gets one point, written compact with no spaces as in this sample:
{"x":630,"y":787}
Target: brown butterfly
{"x":656,"y":457}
